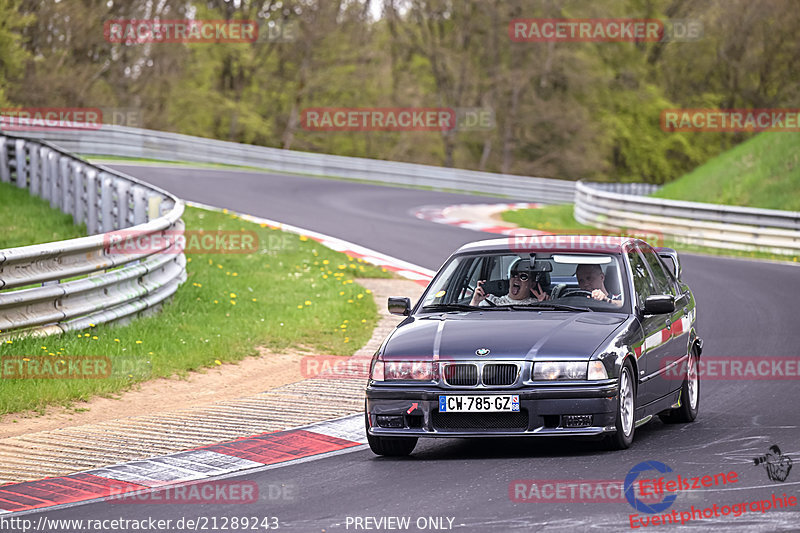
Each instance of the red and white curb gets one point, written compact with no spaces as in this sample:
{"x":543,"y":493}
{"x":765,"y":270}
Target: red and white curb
{"x":476,"y":217}
{"x":405,"y":269}
{"x":226,"y":458}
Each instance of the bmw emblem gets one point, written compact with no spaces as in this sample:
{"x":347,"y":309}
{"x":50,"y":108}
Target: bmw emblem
{"x":482,"y":351}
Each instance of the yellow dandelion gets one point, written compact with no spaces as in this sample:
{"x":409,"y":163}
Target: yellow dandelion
{"x":341,"y":293}
{"x":210,"y":262}
{"x":300,"y":306}
{"x":263,"y":225}
{"x":324,"y":276}
{"x":347,"y":339}
{"x":44,"y":347}
{"x":303,"y":238}
{"x":225,"y":211}
{"x":363,"y":320}
{"x":233,"y":295}
{"x":138,"y":342}
{"x":307,"y":302}
{"x":255,"y":300}
{"x":342,"y":267}
{"x":325,"y":262}
{"x":368,"y":291}
{"x":216,"y":301}
{"x":218,"y":362}
{"x":233,"y":302}
{"x":85,"y":334}
{"x":116,"y":340}
{"x":9,"y":342}
{"x":188,"y":259}
{"x":219,"y":267}
{"x":234,"y":274}
{"x":91,"y":325}
{"x":345,"y":321}
{"x":149,"y":353}
{"x":359,"y":296}
{"x":94,"y":337}
{"x":51,"y":353}
{"x":349,"y":301}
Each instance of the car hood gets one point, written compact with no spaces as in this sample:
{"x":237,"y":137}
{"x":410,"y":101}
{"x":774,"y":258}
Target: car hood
{"x":506,"y":334}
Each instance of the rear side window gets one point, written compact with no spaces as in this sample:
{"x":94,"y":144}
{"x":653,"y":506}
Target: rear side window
{"x":663,"y":281}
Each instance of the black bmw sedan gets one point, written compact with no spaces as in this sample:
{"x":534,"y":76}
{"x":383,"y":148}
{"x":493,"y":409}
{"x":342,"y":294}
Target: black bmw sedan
{"x":571,"y":335}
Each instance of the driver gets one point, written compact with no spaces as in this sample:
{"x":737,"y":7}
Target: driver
{"x":520,"y":290}
{"x":592,"y":279}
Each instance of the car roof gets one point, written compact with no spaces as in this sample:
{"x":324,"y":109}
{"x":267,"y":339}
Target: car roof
{"x":609,"y":244}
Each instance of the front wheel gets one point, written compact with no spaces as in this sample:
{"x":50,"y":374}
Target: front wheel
{"x":690,"y":395}
{"x":626,"y":409}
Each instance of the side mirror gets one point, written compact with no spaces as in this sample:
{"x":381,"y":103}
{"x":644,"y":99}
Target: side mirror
{"x":659,"y":304}
{"x":400,"y":306}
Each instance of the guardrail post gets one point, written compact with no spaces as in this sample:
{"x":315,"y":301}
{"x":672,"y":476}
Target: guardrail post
{"x":78,"y":193}
{"x":64,"y":204}
{"x":4,"y":171}
{"x":139,"y":205}
{"x":92,"y":221}
{"x":106,"y":204}
{"x":35,"y":170}
{"x":22,"y":164}
{"x":123,"y":204}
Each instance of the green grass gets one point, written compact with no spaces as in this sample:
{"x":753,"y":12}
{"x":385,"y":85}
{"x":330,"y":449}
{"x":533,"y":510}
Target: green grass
{"x":551,"y":218}
{"x":292,"y":292}
{"x":559,"y":219}
{"x":26,"y":219}
{"x":763,"y":171}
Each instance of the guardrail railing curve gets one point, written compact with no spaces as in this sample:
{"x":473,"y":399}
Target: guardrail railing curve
{"x":718,"y":226}
{"x":38,"y":290}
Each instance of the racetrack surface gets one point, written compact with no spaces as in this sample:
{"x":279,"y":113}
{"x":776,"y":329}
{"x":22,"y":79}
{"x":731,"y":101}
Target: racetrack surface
{"x":745,"y":308}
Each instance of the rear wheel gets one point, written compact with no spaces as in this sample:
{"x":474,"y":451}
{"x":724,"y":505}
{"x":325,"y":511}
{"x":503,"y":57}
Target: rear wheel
{"x":690,"y":395}
{"x":390,"y":446}
{"x":626,"y":409}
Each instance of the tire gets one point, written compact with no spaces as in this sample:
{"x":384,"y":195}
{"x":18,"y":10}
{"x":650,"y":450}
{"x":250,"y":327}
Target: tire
{"x":626,"y":411}
{"x":690,"y":395}
{"x":390,"y":446}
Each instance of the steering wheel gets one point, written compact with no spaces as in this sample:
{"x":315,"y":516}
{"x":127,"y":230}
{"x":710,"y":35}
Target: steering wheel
{"x":576,"y":292}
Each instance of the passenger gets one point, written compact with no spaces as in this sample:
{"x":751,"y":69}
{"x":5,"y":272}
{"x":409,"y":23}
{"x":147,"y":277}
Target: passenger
{"x":520,"y":291}
{"x":591,"y":278}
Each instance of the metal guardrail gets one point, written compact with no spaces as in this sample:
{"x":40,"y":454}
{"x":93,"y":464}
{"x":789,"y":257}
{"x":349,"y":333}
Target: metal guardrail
{"x":115,"y":283}
{"x":122,"y":141}
{"x":712,"y":225}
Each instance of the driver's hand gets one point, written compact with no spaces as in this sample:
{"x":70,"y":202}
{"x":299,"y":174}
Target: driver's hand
{"x":540,"y":295}
{"x":597,"y":294}
{"x":479,"y":295}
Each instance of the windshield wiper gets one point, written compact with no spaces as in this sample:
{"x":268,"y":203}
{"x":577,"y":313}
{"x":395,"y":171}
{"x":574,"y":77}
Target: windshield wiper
{"x":451,"y":307}
{"x":548,"y":305}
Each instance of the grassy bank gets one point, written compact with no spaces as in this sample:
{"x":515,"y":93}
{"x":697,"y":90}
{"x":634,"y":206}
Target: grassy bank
{"x":291,"y":292}
{"x":763,"y":171}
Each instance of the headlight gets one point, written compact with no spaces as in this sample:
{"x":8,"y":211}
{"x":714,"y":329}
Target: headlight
{"x":597,"y":370}
{"x":554,"y":370}
{"x":403,"y":370}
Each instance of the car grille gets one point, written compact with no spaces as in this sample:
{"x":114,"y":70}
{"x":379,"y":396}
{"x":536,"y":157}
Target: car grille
{"x":502,"y":374}
{"x":456,"y":421}
{"x":461,"y":375}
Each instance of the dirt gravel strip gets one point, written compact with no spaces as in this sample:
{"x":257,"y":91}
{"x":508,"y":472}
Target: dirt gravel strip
{"x":335,"y":393}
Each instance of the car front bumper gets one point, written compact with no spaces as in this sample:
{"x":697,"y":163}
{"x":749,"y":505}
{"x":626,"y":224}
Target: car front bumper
{"x":414,"y":411}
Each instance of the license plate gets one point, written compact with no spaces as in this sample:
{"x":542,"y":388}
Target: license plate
{"x":479,"y":404}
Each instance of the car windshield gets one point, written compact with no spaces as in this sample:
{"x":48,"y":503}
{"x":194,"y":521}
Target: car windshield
{"x":521,"y":282}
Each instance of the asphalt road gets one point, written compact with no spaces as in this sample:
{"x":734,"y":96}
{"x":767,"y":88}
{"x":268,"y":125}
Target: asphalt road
{"x":746,"y":308}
